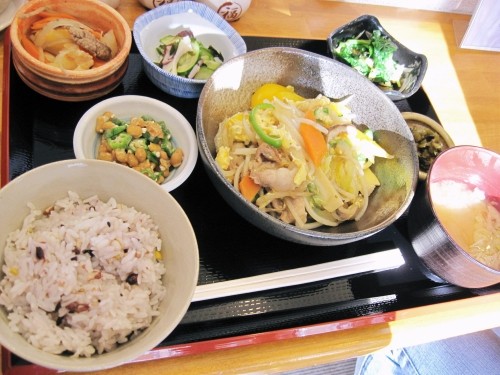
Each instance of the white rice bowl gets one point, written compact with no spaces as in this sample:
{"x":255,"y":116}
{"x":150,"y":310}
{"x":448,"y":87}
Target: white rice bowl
{"x":116,"y":293}
{"x":83,"y":277}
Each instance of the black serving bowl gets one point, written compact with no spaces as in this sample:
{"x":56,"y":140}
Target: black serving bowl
{"x":415,"y":63}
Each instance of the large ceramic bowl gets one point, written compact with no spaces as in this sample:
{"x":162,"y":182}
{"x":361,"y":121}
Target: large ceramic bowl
{"x":207,"y":27}
{"x":64,"y":84}
{"x":179,"y":250}
{"x":86,"y":139}
{"x":415,"y":64}
{"x":229,"y":90}
{"x":449,"y":218}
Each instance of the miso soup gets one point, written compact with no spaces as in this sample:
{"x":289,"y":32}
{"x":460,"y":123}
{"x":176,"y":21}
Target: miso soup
{"x":469,"y":218}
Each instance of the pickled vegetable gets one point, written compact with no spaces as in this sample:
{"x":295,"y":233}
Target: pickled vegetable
{"x":429,"y":145}
{"x":184,"y":55}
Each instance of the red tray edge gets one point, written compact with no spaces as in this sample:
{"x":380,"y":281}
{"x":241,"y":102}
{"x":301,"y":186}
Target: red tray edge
{"x":201,"y":347}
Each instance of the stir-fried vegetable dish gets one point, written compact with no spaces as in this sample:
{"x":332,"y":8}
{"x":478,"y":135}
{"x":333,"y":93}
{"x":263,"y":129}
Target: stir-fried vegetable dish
{"x":371,"y":54}
{"x":301,"y":160}
{"x":184,"y":55}
{"x":142,"y":143}
{"x":61,"y":40}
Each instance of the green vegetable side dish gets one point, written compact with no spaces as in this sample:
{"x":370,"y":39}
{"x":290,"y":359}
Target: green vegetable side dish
{"x":371,"y":54}
{"x":142,"y":143}
{"x":429,"y":145}
{"x":184,"y":55}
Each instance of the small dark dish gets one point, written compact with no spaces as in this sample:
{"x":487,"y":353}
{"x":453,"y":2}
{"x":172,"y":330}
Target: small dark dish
{"x":430,"y":137}
{"x":436,"y":234}
{"x":415,"y":64}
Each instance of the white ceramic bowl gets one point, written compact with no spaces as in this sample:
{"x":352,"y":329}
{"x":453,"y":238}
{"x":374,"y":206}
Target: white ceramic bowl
{"x":86,"y":139}
{"x":90,"y":177}
{"x":206,"y":25}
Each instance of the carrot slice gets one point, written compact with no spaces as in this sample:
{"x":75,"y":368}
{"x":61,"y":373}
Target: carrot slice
{"x":49,"y":13}
{"x":40,"y":24}
{"x":248,"y":188}
{"x":29,"y":46}
{"x":47,"y":17}
{"x":314,"y":143}
{"x":310,"y":115}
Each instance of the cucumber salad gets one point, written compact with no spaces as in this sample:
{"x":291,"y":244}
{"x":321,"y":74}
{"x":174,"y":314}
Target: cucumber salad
{"x":183,"y":55}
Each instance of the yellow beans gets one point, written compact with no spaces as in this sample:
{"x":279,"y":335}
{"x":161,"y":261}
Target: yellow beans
{"x":177,"y":157}
{"x":132,"y":160}
{"x":154,"y":129}
{"x":134,"y":130}
{"x":104,"y":153}
{"x":121,"y":155}
{"x":140,"y":154}
{"x":142,"y":143}
{"x":103,"y":125}
{"x":154,"y":147}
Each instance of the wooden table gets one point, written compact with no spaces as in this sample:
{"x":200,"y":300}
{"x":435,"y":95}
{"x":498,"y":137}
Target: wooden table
{"x":464,"y":89}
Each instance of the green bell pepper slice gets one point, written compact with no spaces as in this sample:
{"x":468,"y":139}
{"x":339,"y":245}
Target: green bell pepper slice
{"x":255,"y":121}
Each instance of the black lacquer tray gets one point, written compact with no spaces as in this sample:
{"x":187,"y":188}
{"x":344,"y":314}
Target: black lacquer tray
{"x":37,"y":130}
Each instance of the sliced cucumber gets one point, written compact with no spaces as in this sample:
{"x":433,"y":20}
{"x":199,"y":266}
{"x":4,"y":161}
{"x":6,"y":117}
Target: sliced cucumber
{"x":170,"y":39}
{"x":189,"y":59}
{"x":204,"y":73}
{"x":212,"y":64}
{"x":209,"y":59}
{"x":205,"y":54}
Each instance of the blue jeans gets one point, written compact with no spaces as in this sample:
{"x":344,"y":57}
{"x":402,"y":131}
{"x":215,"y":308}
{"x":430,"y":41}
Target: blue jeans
{"x":473,"y":354}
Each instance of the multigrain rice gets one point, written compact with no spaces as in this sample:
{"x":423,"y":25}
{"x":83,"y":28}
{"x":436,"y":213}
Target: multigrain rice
{"x":82,"y":276}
